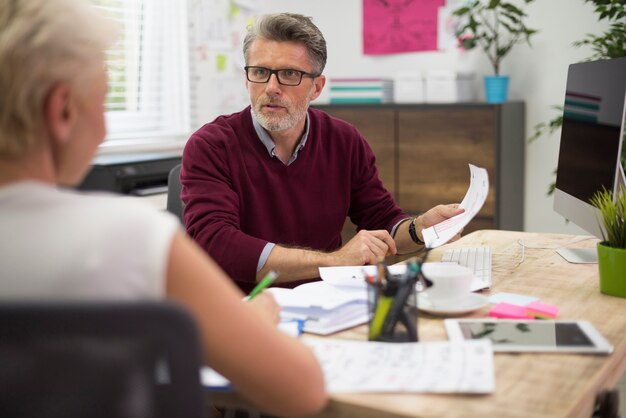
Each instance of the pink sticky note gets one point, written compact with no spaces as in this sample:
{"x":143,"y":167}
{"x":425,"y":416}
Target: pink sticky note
{"x":541,"y":310}
{"x":509,"y":311}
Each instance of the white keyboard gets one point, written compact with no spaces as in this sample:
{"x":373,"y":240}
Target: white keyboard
{"x":478,"y":259}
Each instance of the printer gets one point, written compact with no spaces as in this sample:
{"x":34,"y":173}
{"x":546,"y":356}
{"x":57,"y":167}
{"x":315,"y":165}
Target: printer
{"x":137,"y":174}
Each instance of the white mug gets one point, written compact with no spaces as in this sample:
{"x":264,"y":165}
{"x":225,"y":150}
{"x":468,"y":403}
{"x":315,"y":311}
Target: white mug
{"x":451,"y":283}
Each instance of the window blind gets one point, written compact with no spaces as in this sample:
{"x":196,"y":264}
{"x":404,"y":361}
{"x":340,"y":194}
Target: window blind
{"x":148,"y":99}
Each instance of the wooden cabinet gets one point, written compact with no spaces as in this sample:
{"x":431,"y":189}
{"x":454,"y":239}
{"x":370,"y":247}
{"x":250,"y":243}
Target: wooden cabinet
{"x":378,"y":126}
{"x":423,"y":152}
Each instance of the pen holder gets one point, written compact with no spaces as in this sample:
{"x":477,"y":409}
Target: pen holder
{"x":393,"y":319}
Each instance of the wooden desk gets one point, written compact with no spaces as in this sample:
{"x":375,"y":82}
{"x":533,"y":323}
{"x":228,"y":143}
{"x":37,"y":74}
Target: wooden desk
{"x":527,"y":385}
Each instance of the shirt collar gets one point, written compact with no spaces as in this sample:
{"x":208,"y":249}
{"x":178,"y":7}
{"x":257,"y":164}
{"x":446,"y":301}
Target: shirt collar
{"x":267,"y":141}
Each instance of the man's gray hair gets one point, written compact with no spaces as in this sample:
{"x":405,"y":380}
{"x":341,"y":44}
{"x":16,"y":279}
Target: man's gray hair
{"x":43,"y":43}
{"x":289,"y":27}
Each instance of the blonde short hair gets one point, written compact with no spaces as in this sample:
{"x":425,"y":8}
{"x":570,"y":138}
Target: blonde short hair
{"x":43,"y":43}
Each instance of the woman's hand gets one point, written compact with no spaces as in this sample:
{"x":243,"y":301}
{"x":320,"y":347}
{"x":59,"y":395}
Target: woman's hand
{"x":266,"y":307}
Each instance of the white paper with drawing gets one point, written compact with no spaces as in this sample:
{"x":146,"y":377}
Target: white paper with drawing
{"x":473,"y":201}
{"x":373,"y":367}
{"x":434,"y":366}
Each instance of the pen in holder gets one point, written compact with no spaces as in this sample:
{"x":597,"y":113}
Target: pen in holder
{"x":392,"y":318}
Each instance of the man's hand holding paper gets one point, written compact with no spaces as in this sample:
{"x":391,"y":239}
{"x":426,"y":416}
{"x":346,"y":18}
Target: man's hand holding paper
{"x":450,"y":229}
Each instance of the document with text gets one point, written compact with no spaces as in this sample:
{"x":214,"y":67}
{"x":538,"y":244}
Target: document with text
{"x":373,"y":367}
{"x":429,"y":367}
{"x":473,"y":201}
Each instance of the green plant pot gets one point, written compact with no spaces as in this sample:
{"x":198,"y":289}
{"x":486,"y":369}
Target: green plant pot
{"x":612,"y":266}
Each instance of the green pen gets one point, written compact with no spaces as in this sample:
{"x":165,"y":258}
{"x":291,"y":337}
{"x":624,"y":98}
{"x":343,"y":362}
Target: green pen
{"x":265,"y":281}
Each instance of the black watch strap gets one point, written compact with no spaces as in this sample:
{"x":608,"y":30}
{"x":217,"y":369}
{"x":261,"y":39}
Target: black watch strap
{"x":413,"y":234}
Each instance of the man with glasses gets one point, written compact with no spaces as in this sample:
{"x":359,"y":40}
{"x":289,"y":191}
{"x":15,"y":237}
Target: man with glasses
{"x":270,"y":187}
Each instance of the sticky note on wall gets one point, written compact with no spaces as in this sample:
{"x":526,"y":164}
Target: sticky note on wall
{"x":220,"y":62}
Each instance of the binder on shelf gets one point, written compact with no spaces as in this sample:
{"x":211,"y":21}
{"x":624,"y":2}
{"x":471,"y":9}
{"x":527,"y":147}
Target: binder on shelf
{"x":360,"y":90}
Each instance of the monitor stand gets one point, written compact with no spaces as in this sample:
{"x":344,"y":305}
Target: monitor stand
{"x":579,"y":255}
{"x":620,"y":178}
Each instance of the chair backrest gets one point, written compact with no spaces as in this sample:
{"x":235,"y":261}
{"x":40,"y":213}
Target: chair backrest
{"x":174,"y":204}
{"x":99,"y":360}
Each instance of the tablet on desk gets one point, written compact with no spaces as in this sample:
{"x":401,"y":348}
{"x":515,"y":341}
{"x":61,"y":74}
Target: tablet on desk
{"x":537,"y":336}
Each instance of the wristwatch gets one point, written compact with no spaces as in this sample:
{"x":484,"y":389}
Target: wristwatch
{"x":413,"y":234}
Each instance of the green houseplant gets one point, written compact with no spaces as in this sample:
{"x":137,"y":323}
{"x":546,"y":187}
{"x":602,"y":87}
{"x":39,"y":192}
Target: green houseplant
{"x":610,"y":44}
{"x":495,"y":26}
{"x":612,"y":248}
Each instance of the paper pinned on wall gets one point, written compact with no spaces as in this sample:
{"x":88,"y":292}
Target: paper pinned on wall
{"x":209,"y":23}
{"x":399,"y":26}
{"x":473,"y":201}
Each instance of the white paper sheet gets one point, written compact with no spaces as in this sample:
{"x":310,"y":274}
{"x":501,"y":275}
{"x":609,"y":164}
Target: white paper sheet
{"x":473,"y":201}
{"x":353,"y":276}
{"x":346,"y":277}
{"x":319,"y":294}
{"x":429,"y":367}
{"x":436,"y":367}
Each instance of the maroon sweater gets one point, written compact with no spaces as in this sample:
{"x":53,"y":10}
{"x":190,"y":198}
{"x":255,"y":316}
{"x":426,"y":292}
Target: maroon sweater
{"x":238,"y":198}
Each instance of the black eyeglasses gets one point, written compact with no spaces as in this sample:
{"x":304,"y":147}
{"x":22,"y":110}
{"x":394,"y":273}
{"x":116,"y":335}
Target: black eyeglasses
{"x":285,"y":76}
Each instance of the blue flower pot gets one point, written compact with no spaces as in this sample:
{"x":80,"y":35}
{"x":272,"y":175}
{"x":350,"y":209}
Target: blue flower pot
{"x":496,"y":88}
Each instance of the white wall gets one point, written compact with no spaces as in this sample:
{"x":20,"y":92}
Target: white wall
{"x":538,"y":75}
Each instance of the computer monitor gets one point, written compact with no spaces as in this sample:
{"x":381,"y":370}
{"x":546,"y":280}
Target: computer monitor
{"x":591,"y":145}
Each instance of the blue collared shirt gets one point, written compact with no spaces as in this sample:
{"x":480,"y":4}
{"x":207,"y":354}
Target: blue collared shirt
{"x":269,"y":144}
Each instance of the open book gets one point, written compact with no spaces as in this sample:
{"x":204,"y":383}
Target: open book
{"x":324,"y":308}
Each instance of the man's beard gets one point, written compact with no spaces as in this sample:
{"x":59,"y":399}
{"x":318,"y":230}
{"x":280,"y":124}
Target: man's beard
{"x":273,"y":123}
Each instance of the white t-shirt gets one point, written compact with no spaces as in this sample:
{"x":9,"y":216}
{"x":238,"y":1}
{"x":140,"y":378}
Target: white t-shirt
{"x":60,"y":244}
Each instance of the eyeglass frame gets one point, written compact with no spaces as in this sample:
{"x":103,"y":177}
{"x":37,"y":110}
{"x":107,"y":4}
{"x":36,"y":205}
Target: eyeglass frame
{"x":275,"y":72}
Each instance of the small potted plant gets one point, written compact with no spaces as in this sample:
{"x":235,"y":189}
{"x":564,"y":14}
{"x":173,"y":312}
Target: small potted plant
{"x":495,"y":26}
{"x":612,"y":248}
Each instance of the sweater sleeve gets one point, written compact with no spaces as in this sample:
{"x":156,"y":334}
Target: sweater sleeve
{"x":211,"y":211}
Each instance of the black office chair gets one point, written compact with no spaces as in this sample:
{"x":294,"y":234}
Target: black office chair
{"x":174,"y":204}
{"x":99,"y":360}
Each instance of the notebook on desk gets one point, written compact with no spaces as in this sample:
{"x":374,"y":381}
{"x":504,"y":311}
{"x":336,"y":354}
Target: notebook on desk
{"x":324,"y":308}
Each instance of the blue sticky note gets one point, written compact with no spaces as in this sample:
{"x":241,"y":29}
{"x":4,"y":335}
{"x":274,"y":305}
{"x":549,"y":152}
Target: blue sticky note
{"x":512,"y":298}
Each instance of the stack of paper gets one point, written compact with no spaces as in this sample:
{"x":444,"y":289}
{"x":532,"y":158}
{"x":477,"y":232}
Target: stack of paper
{"x":361,"y":90}
{"x":323,"y":307}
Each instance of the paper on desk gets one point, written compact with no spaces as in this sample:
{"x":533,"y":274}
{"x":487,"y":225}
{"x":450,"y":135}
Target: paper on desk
{"x":474,"y":199}
{"x":362,"y":366}
{"x":512,"y":298}
{"x":211,"y":379}
{"x":320,"y":294}
{"x":354,"y":276}
{"x":345,"y":277}
{"x":436,"y":367}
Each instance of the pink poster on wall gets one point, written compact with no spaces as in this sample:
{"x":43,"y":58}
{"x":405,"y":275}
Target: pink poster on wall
{"x":393,"y":26}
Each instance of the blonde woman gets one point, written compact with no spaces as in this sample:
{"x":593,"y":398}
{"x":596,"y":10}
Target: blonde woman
{"x":58,"y":244}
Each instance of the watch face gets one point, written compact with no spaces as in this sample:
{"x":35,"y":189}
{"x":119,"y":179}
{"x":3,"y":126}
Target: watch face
{"x":400,"y":25}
